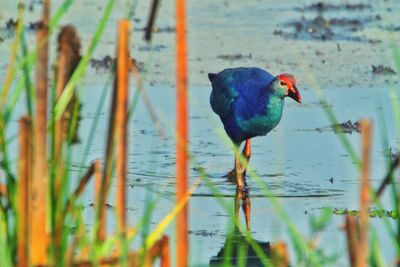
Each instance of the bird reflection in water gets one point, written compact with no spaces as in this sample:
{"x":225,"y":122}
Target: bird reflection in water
{"x":237,"y":248}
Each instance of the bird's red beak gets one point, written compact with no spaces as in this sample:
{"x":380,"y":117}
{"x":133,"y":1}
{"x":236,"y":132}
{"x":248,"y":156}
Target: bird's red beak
{"x":294,"y":93}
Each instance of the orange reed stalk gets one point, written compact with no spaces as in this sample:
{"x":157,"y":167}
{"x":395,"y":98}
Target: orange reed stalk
{"x":117,"y":131}
{"x":101,"y":232}
{"x":365,"y":198}
{"x":279,"y":254}
{"x":352,"y":233}
{"x":165,"y":252}
{"x":109,"y":261}
{"x":24,"y":173}
{"x":159,"y":249}
{"x":121,"y":119}
{"x":38,"y":226}
{"x":182,"y":133}
{"x":3,"y":190}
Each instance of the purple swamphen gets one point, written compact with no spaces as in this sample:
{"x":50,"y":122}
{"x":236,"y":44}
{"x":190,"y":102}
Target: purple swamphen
{"x":249,"y":102}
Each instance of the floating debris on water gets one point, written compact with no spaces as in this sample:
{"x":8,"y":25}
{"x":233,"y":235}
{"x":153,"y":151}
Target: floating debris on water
{"x":372,"y":213}
{"x":166,"y":29}
{"x":203,"y":233}
{"x":107,"y":62}
{"x":156,"y":48}
{"x":11,"y":24}
{"x":383,"y":70}
{"x":321,"y":28}
{"x":325,"y":26}
{"x":235,"y":56}
{"x":321,"y":7}
{"x":347,"y":127}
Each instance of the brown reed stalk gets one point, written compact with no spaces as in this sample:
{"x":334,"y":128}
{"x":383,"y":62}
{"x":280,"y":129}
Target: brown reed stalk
{"x":352,"y":233}
{"x":79,"y":189}
{"x":182,"y":133}
{"x":3,"y":190}
{"x":101,"y":233}
{"x":68,"y":59}
{"x":39,"y":230}
{"x":389,"y":176}
{"x":24,"y":173}
{"x":121,"y":120}
{"x":109,"y":261}
{"x":279,"y":254}
{"x":159,"y":249}
{"x":365,"y":198}
{"x":106,"y":176}
{"x":114,"y":117}
{"x":69,"y":204}
{"x":152,"y":18}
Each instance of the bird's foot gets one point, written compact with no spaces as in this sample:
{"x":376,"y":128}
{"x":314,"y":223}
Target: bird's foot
{"x":231,"y":176}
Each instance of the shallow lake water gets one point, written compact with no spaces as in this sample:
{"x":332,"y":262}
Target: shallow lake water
{"x":302,"y":161}
{"x":296,"y":161}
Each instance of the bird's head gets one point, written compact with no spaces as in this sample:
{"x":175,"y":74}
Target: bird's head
{"x":285,"y":85}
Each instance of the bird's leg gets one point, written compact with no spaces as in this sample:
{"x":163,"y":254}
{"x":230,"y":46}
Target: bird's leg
{"x":247,"y":149}
{"x":246,"y":153}
{"x":239,"y":170}
{"x":238,"y":200}
{"x":246,"y":207}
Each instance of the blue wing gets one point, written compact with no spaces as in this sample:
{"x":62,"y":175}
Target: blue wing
{"x":246,"y":85}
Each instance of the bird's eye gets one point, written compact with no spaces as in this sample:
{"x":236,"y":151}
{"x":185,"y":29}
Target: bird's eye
{"x":282,"y":83}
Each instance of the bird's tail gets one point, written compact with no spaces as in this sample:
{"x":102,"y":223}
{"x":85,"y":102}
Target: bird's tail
{"x":211,"y":76}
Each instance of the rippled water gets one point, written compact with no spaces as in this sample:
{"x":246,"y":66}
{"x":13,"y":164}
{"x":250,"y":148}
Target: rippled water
{"x":295,"y":161}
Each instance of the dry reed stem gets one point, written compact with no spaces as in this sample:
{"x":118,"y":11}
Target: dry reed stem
{"x":24,"y":173}
{"x":352,"y":233}
{"x":107,"y":261}
{"x":159,"y":249}
{"x":106,"y":176}
{"x":81,"y":186}
{"x":69,"y":204}
{"x":3,"y":190}
{"x":165,"y":253}
{"x":152,"y":18}
{"x":121,"y":120}
{"x":101,"y":232}
{"x":39,"y":227}
{"x":389,"y":176}
{"x":182,"y":133}
{"x":68,"y":59}
{"x":365,"y":198}
{"x":279,"y":254}
{"x":153,"y":115}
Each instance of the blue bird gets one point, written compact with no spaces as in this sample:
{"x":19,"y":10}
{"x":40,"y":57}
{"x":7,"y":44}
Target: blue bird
{"x":249,"y":102}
